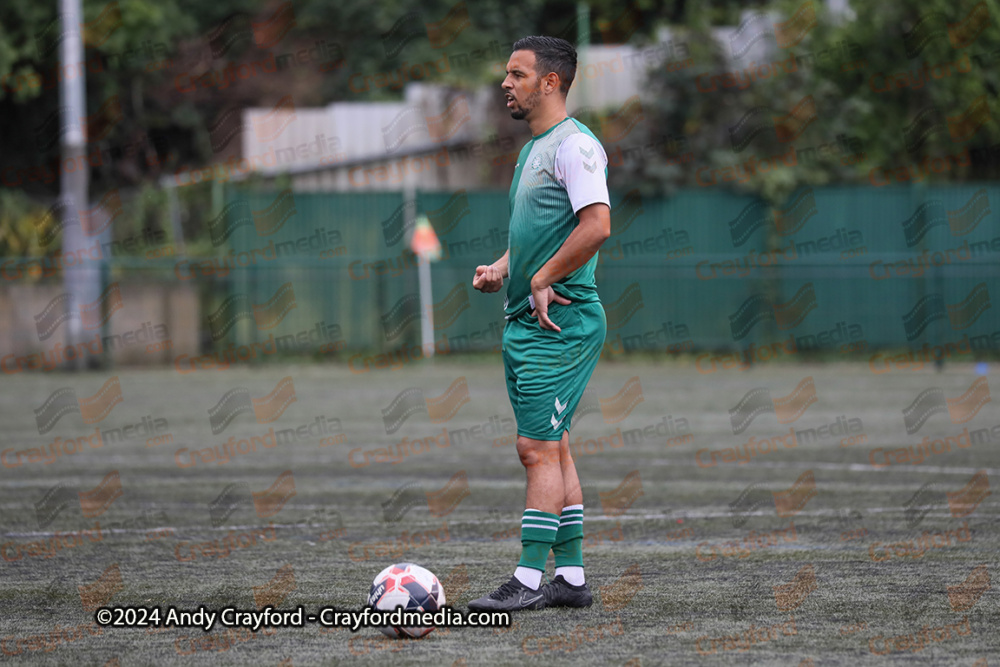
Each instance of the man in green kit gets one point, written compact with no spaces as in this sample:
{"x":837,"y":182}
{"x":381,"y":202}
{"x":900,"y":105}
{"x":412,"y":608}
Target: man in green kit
{"x":560,"y":215}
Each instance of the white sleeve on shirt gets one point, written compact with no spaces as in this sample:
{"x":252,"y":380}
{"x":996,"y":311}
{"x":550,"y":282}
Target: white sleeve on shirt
{"x":579,"y":167}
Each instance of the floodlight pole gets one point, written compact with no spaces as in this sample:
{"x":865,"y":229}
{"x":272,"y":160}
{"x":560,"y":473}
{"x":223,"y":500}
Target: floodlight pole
{"x":82,"y":283}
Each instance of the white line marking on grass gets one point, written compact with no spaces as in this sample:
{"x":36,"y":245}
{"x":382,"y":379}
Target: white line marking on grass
{"x":853,"y":467}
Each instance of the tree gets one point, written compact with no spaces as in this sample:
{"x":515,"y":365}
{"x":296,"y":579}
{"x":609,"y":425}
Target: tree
{"x":841,"y":93}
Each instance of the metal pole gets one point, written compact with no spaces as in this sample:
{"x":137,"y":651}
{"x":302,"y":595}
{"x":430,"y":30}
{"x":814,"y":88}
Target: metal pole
{"x":82,"y":282}
{"x":426,"y":306}
{"x":582,"y":47}
{"x":423,"y":273}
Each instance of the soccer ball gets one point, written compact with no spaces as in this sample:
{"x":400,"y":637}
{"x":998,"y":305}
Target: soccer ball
{"x":411,"y":587}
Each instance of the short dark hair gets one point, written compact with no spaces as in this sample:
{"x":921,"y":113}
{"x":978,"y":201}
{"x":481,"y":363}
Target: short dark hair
{"x":551,"y":55}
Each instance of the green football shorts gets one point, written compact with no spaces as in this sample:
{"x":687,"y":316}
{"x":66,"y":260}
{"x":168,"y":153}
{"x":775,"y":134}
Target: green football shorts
{"x":547,"y":370}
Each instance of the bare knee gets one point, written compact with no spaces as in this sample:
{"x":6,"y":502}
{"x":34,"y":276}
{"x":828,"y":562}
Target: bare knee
{"x":537,"y":452}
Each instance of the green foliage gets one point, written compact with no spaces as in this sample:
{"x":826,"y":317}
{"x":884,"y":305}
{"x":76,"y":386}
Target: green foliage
{"x":839,"y":65}
{"x":18,"y":216}
{"x":143,"y":54}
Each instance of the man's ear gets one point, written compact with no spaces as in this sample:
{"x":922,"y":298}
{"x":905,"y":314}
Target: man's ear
{"x":551,"y":82}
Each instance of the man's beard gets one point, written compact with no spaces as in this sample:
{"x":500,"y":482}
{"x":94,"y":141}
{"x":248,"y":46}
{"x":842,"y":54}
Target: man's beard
{"x":524,"y":109}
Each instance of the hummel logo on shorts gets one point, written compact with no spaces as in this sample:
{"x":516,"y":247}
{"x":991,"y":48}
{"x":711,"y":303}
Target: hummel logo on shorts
{"x":559,"y":410}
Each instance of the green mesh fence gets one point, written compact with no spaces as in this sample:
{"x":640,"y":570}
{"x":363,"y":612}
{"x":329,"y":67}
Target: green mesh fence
{"x":840,"y":269}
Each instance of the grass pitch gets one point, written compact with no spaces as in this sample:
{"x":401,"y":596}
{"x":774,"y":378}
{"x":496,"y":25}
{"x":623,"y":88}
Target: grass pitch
{"x":798,"y":555}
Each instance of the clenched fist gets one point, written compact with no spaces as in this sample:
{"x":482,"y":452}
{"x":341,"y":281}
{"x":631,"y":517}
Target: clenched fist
{"x":487,"y":279}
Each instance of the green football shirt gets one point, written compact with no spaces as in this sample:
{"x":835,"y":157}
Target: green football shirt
{"x":559,"y":172}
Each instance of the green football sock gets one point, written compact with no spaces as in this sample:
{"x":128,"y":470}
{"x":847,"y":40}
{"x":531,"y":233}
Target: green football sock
{"x":568,"y":546}
{"x":538,"y":530}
